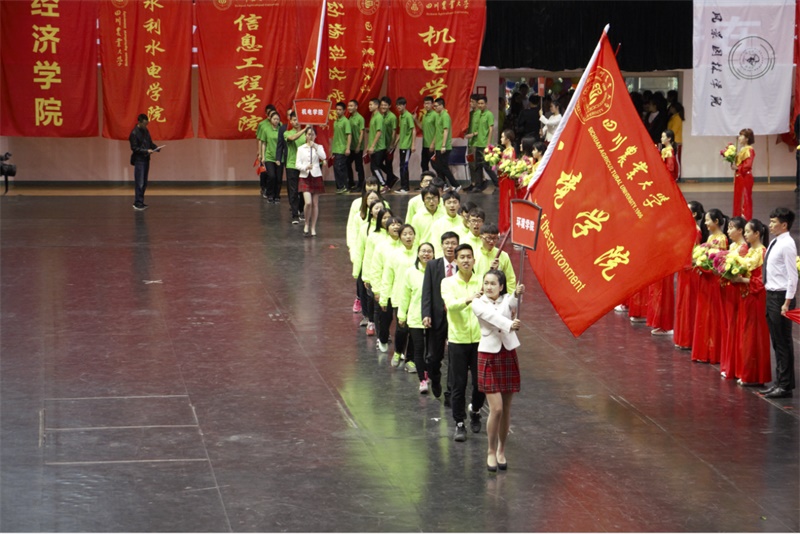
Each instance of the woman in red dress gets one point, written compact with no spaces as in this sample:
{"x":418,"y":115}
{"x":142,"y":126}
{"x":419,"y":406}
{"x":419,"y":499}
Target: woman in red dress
{"x":534,"y":150}
{"x":507,"y":185}
{"x":661,"y":312}
{"x":743,"y":179}
{"x":686,"y":300}
{"x":709,"y":327}
{"x":731,"y":302}
{"x":753,"y":364}
{"x":668,"y":154}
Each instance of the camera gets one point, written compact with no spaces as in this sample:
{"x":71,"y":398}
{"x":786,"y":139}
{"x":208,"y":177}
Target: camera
{"x":6,"y":169}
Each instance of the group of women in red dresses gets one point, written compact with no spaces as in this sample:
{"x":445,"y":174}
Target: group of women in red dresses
{"x":720,"y":320}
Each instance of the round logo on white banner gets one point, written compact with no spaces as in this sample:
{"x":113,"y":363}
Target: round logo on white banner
{"x":751,"y":58}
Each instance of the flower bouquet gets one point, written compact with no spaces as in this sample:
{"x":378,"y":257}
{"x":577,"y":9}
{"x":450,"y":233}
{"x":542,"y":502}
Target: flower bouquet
{"x":797,"y":263}
{"x":733,"y":265}
{"x":703,"y":257}
{"x":492,"y":155}
{"x":728,"y":153}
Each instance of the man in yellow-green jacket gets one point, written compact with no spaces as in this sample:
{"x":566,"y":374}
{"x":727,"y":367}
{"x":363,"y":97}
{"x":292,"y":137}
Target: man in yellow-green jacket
{"x":463,"y":336}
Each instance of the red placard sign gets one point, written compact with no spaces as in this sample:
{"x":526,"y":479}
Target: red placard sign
{"x":525,"y":218}
{"x":312,"y":110}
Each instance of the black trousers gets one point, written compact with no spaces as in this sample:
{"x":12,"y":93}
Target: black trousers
{"x":376,"y":165}
{"x":401,"y":337}
{"x":441,"y":165}
{"x":274,"y":179}
{"x":296,"y":202}
{"x":263,"y":179}
{"x":780,"y":332}
{"x":141,"y":169}
{"x":358,"y":159}
{"x":464,"y":362}
{"x":425,"y":159}
{"x":340,"y":170}
{"x":797,"y":171}
{"x":384,"y":321}
{"x":416,"y":351}
{"x":437,"y":337}
{"x":482,"y":166}
{"x":388,"y":171}
{"x":405,"y":156}
{"x":361,"y":292}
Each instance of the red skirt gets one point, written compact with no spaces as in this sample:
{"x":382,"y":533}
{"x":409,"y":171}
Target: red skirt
{"x":685,"y":307}
{"x":661,"y":312}
{"x":753,"y":364}
{"x":498,"y":372}
{"x":312,"y":184}
{"x":508,"y":190}
{"x":731,"y":303}
{"x":709,"y":328}
{"x":638,"y":303}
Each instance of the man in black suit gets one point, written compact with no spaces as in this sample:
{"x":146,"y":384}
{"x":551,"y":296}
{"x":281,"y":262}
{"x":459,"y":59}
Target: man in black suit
{"x":434,"y":316}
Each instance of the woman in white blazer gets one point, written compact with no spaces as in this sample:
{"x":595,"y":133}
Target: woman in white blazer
{"x":310,"y":159}
{"x":498,"y":368}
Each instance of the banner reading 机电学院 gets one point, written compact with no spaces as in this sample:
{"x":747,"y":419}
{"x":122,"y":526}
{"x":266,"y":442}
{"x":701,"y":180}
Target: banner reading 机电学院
{"x":613,"y":219}
{"x":435,"y":51}
{"x":743,"y":53}
{"x":247,"y":57}
{"x":48,"y":68}
{"x":146,"y":58}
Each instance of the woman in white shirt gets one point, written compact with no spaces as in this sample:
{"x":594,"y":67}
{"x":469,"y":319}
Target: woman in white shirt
{"x":498,"y":368}
{"x":310,"y":158}
{"x":549,"y":124}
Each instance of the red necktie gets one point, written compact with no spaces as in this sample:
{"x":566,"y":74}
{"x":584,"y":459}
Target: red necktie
{"x":449,"y":270}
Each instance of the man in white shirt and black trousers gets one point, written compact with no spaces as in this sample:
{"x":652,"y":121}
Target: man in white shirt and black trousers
{"x":780,"y":281}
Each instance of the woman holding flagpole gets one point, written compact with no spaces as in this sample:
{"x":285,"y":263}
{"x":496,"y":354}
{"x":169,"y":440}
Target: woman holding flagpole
{"x":498,"y":367}
{"x":310,"y":158}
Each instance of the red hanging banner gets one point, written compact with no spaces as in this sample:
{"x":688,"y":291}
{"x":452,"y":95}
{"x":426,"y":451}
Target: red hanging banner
{"x":247,"y":59}
{"x":48,"y":61}
{"x":435,"y":51}
{"x":146,"y":58}
{"x":613,"y":219}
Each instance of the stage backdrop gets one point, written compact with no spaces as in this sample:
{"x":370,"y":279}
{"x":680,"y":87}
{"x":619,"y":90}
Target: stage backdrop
{"x":743,"y":54}
{"x":613,"y":220}
{"x":48,"y":58}
{"x":247,"y":58}
{"x":146,"y":58}
{"x":435,"y":51}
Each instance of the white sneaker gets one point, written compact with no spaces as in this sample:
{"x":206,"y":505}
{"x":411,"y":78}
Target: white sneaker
{"x":423,"y":387}
{"x":401,"y":192}
{"x":382,"y":347}
{"x":621,"y":308}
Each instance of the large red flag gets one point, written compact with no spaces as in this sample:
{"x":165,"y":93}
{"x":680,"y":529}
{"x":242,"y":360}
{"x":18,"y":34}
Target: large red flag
{"x":48,"y":68}
{"x":435,"y":51}
{"x":347,"y":53}
{"x":613,"y":220}
{"x":146,"y":54}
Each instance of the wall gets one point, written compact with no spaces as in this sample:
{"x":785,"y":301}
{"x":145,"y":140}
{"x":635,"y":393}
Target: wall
{"x":203,"y":160}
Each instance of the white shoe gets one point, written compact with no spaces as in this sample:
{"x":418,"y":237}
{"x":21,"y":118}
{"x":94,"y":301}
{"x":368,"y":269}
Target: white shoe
{"x":401,"y":192}
{"x":423,"y":387}
{"x":621,"y":308}
{"x":382,"y":347}
{"x":660,"y":332}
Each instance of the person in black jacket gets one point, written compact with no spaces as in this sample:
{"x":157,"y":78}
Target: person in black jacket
{"x":434,"y":316}
{"x":141,"y":147}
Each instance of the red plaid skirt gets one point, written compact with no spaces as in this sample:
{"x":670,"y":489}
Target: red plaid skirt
{"x":312,"y":184}
{"x":498,"y":372}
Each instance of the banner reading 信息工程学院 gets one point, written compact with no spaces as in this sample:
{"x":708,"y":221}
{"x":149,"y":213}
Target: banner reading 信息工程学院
{"x":742,"y":57}
{"x":247,"y":58}
{"x":48,"y":66}
{"x":613,"y":219}
{"x":146,"y":58}
{"x":435,"y":51}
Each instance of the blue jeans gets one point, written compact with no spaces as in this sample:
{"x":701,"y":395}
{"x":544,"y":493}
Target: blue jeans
{"x":141,"y":169}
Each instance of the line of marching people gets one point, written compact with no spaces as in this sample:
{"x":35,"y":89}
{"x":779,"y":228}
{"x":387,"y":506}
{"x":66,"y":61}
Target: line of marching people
{"x":727,"y":309}
{"x":452,"y":296}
